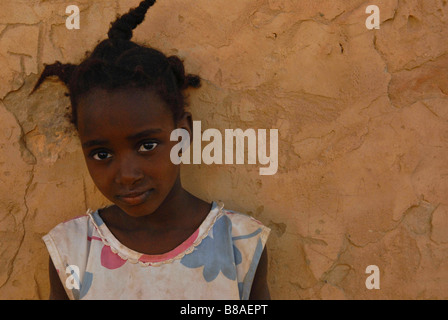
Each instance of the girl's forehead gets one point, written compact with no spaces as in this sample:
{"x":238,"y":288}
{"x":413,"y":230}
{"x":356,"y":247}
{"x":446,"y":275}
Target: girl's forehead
{"x":139,"y":96}
{"x":102,"y":109}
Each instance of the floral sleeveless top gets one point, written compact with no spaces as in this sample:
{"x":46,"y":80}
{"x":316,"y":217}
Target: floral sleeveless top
{"x":218,"y":261}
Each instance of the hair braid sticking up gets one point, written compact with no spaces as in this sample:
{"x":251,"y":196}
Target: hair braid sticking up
{"x":63,"y":71}
{"x":123,"y":26}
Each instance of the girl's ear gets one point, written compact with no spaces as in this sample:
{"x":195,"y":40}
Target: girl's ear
{"x":186,"y":122}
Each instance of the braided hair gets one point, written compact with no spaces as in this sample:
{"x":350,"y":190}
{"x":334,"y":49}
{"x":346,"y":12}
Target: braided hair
{"x":117,"y":62}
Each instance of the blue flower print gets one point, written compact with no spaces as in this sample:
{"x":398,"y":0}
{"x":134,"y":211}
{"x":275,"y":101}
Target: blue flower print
{"x":245,"y":286}
{"x":85,"y":286}
{"x":216,"y":253}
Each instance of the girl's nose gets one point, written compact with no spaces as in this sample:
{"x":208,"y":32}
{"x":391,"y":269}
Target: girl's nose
{"x":129,"y":172}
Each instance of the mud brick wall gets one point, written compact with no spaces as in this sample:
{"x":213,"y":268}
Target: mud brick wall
{"x":361,"y":115}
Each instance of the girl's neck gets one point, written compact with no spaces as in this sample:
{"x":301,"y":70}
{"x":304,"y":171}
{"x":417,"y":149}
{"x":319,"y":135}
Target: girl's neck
{"x":163,"y":230}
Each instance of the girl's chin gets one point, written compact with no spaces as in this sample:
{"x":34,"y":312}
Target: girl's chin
{"x":141,"y":210}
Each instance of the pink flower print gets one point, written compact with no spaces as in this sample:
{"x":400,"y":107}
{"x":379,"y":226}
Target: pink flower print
{"x":111,"y":260}
{"x":146,"y":258}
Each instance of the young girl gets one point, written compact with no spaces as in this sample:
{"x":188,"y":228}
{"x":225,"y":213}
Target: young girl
{"x":156,"y":241}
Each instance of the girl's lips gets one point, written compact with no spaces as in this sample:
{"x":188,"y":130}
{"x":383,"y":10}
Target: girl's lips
{"x":137,"y":199}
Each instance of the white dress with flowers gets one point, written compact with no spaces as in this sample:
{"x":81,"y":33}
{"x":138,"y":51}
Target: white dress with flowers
{"x":218,"y":261}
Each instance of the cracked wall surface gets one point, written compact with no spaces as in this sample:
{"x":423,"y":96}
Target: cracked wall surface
{"x":363,"y":134}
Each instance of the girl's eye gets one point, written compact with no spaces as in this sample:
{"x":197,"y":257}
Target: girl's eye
{"x":102,"y":155}
{"x":148,"y":146}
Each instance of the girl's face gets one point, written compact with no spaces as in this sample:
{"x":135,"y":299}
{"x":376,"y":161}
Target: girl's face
{"x":125,"y":137}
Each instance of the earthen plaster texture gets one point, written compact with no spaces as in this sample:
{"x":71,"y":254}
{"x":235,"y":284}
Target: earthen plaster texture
{"x":363,"y":134}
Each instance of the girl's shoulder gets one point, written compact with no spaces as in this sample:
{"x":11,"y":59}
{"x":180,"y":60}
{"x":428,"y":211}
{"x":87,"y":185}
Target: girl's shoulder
{"x":242,"y":225}
{"x":242,"y":219}
{"x":70,"y":232}
{"x":76,"y":225}
{"x":72,"y":236}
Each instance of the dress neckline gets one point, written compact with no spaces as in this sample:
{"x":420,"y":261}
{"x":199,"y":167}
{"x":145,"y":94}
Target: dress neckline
{"x":177,"y":253}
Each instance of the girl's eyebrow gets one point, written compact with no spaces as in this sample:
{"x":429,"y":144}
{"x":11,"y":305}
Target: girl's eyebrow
{"x":143,"y":134}
{"x":136,"y":136}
